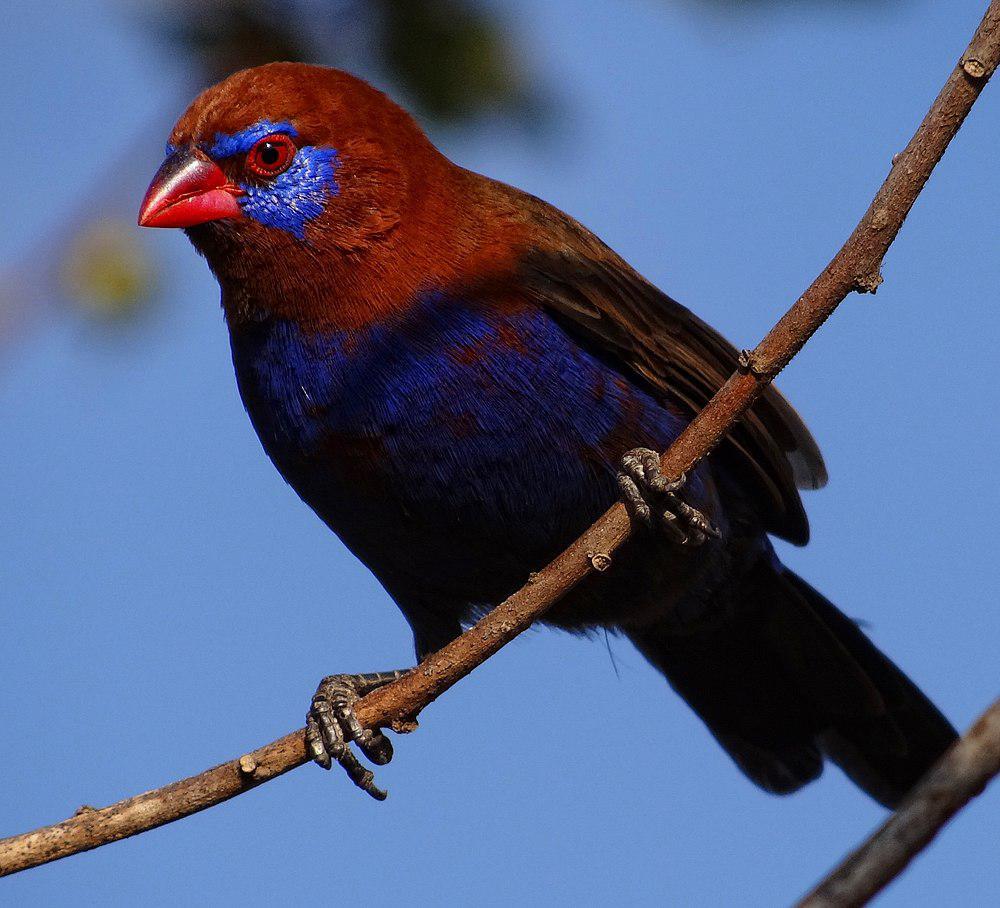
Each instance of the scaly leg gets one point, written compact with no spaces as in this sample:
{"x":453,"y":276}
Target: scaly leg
{"x":332,"y":725}
{"x":640,"y":478}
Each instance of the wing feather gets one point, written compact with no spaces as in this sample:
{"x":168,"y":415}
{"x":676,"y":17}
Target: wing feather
{"x":606,"y":303}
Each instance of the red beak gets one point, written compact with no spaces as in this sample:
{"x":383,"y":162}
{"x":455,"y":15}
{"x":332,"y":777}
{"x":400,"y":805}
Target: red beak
{"x":188,"y":189}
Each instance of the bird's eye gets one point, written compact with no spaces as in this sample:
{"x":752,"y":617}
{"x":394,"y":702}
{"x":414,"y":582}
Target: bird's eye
{"x":271,"y":155}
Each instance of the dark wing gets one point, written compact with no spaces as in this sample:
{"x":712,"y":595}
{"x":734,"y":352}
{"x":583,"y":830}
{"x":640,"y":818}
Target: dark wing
{"x":602,"y":300}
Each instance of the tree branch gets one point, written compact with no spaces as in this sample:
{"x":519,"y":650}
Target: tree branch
{"x":855,"y":267}
{"x":961,"y":774}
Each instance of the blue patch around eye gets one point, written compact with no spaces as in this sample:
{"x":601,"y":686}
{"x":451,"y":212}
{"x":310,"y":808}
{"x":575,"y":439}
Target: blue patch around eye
{"x":293,"y":198}
{"x":169,"y":149}
{"x":225,"y":146}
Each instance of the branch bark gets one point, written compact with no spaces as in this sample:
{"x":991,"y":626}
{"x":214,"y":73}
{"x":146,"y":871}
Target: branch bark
{"x":961,"y":774}
{"x":855,"y":267}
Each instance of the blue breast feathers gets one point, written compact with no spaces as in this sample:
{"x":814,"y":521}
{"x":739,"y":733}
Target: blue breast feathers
{"x":458,"y":399}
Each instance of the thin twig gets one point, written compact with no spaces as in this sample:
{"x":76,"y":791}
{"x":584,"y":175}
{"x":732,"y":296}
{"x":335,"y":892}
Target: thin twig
{"x":855,"y":267}
{"x":961,"y":774}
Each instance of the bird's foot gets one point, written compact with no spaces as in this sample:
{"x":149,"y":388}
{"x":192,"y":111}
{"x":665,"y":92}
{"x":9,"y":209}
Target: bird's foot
{"x":332,"y":725}
{"x":641,"y":480}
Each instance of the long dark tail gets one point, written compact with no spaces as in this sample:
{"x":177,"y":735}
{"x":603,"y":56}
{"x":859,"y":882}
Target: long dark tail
{"x":790,"y":679}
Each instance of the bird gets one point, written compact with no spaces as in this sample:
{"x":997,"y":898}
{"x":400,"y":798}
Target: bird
{"x":458,"y":378}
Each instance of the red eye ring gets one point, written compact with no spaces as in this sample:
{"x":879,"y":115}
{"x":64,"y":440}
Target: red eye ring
{"x":271,"y":155}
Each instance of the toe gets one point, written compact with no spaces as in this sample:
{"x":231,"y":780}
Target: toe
{"x":314,"y":743}
{"x":674,"y":529}
{"x":330,"y":731}
{"x":376,"y":747}
{"x":361,"y":776}
{"x":632,"y":498}
{"x":348,"y":720}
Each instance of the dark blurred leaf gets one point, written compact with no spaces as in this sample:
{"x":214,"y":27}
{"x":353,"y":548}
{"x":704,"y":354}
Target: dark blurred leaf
{"x":453,"y":58}
{"x":223,"y":36}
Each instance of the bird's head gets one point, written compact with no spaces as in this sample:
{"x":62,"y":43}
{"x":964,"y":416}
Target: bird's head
{"x":288,"y":162}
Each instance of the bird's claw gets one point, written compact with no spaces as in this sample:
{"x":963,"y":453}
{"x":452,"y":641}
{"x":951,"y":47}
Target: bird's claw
{"x":641,"y":477}
{"x":331,"y":726}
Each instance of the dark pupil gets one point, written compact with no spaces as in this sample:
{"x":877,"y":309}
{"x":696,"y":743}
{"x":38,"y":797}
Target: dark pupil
{"x":269,"y":154}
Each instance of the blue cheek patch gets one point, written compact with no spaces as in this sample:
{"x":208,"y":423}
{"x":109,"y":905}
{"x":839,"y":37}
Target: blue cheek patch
{"x":295,"y":197}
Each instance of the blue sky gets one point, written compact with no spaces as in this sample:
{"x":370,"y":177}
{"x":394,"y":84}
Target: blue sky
{"x":168,"y":602}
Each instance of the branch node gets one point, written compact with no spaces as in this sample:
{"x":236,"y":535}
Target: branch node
{"x":404,"y":726}
{"x":974,"y":68}
{"x":84,"y":808}
{"x":880,"y":217}
{"x":868,"y":283}
{"x":749,"y":363}
{"x":248,"y":765}
{"x":599,"y":561}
